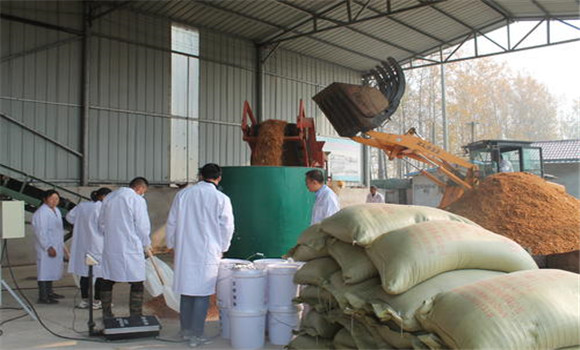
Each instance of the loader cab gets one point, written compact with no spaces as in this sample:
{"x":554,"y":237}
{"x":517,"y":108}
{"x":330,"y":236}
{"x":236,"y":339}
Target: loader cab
{"x":494,"y":156}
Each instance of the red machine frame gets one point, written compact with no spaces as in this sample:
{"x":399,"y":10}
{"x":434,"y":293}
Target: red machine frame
{"x":311,"y":149}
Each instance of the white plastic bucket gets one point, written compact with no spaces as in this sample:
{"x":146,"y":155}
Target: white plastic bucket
{"x":248,"y":328}
{"x":281,"y":322}
{"x":249,"y":289}
{"x":263,"y":263}
{"x":225,"y":323}
{"x":224,"y":281}
{"x":281,"y":288}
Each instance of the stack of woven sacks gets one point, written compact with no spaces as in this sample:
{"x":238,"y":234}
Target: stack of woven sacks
{"x":382,"y":276}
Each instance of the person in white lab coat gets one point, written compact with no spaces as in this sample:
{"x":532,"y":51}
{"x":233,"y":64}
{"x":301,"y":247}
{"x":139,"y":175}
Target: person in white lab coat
{"x":326,"y":202}
{"x":87,"y":239}
{"x":199,"y":229}
{"x":124,"y":223}
{"x":49,"y":232}
{"x":374,"y":196}
{"x":505,"y":166}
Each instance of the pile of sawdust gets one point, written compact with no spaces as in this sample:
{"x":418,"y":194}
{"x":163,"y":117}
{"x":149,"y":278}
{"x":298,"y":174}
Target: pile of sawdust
{"x":270,"y":144}
{"x":159,"y":308}
{"x":525,"y":208}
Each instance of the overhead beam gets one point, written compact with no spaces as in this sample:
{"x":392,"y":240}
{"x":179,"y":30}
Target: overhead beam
{"x":516,"y":48}
{"x":361,"y":20}
{"x":542,"y":8}
{"x":342,"y":24}
{"x":275,"y":25}
{"x":407,"y":25}
{"x":498,"y":8}
{"x":300,"y":23}
{"x":111,"y":8}
{"x":40,"y":24}
{"x":473,"y":29}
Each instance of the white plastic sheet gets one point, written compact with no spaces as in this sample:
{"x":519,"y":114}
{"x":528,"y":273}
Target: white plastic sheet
{"x":155,"y":286}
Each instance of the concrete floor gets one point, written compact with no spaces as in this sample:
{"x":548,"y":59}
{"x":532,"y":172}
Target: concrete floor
{"x":65,"y":320}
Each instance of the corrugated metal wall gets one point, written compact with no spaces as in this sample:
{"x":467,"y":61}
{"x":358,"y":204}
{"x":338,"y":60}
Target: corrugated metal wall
{"x":227,"y":79}
{"x":130,"y":98}
{"x":228,"y":73}
{"x":40,"y":87}
{"x":290,"y":77}
{"x":130,"y":93}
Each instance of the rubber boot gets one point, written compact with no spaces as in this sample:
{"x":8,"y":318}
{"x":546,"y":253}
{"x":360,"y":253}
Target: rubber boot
{"x":43,"y":294}
{"x":107,"y":303}
{"x":135,"y":303}
{"x":51,"y":293}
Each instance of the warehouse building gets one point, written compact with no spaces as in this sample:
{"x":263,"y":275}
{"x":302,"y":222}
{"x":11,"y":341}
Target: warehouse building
{"x":99,"y":92}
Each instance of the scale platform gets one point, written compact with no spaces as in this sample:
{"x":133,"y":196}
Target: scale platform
{"x":131,"y":327}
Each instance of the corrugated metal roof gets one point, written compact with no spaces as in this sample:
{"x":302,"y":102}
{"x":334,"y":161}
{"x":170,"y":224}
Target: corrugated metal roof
{"x":411,"y":27}
{"x":561,"y":150}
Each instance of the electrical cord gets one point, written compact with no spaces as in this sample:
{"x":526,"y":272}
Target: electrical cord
{"x":5,"y":252}
{"x":30,"y":305}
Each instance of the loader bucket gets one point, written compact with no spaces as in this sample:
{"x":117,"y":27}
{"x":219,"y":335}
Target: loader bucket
{"x":352,"y":108}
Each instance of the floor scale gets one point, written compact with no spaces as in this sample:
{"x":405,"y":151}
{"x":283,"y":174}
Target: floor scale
{"x":116,"y":328}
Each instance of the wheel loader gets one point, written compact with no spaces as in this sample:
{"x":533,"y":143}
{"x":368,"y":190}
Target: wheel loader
{"x":355,"y":111}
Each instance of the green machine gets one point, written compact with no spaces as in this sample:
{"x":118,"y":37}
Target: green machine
{"x":271,"y":208}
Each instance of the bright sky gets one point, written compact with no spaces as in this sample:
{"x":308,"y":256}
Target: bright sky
{"x":557,"y":66}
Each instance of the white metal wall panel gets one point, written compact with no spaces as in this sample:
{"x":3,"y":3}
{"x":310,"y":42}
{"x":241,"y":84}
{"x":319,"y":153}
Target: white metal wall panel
{"x":290,"y":77}
{"x":40,"y":74}
{"x":227,"y":79}
{"x":130,"y":98}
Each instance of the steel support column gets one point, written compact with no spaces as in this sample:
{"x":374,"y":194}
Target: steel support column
{"x":86,"y":59}
{"x":259,"y":83}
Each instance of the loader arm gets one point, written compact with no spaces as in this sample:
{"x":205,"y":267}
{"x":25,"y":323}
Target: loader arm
{"x":358,"y":110}
{"x":409,"y":145}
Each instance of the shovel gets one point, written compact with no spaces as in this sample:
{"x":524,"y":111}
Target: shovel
{"x":170,"y":298}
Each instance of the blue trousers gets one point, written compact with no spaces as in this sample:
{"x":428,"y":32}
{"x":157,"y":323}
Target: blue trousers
{"x":193,"y":312}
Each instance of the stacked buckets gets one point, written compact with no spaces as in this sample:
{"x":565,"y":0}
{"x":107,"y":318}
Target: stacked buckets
{"x":283,"y":315}
{"x":252,"y":296}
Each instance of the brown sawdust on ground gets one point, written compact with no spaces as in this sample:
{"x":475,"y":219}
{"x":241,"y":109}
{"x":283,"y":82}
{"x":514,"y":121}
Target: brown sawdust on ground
{"x":270,"y":144}
{"x":525,"y":208}
{"x":157,"y":307}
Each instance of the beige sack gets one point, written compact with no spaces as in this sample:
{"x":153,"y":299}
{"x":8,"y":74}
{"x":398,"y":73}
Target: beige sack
{"x":363,"y":336}
{"x":302,"y":252}
{"x":362,"y":224}
{"x":316,"y":324}
{"x":306,"y":342}
{"x":339,"y":289}
{"x":313,"y":237}
{"x":397,"y":339}
{"x":343,"y":340}
{"x":537,"y":309}
{"x":353,"y":260}
{"x":414,"y":254}
{"x":401,"y":308}
{"x":316,"y":271}
{"x":316,"y":297}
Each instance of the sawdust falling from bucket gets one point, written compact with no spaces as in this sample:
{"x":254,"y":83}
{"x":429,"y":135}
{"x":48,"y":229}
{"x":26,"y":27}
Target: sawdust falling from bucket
{"x":270,"y":144}
{"x":526,"y":208}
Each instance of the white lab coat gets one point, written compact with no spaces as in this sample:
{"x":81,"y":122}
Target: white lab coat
{"x":86,"y":238}
{"x":124,"y":222}
{"x":505,"y":166}
{"x":377,"y":198}
{"x":325,"y":205}
{"x":47,"y":224}
{"x":199,"y":228}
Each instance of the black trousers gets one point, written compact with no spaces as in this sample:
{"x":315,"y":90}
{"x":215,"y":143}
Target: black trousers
{"x":85,"y":288}
{"x":107,"y":286}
